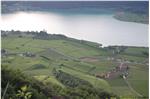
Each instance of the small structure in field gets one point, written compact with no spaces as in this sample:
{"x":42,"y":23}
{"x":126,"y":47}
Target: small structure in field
{"x":29,"y":54}
{"x":100,"y":75}
{"x":20,"y":54}
{"x":4,"y":52}
{"x":110,"y":58}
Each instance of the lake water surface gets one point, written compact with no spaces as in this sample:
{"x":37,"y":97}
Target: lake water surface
{"x":101,"y":28}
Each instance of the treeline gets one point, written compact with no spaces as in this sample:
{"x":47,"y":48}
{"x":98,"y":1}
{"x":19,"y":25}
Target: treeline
{"x":15,"y":85}
{"x":34,"y":34}
{"x":122,"y":50}
{"x":69,"y":80}
{"x":81,"y":88}
{"x":116,"y":49}
{"x":14,"y":80}
{"x":133,"y":17}
{"x":44,"y":35}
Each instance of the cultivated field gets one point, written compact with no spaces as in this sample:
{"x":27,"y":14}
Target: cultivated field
{"x":81,"y":59}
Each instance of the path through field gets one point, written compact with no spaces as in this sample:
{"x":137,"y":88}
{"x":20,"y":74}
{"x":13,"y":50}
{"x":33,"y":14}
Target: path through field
{"x":128,"y":84}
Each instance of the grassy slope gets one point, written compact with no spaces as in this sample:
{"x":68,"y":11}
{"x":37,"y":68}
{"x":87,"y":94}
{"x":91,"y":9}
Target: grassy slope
{"x":68,"y":53}
{"x":139,"y":78}
{"x":64,"y":48}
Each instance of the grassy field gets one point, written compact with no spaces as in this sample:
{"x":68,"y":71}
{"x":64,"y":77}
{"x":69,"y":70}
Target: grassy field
{"x":139,"y":78}
{"x":81,"y":60}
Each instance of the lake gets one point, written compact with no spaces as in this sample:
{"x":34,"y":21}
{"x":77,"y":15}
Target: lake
{"x":101,"y":28}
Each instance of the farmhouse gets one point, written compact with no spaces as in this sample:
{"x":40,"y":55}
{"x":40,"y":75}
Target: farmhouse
{"x":122,"y":69}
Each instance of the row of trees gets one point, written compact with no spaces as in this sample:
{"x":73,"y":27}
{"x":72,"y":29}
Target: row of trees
{"x":34,"y":34}
{"x":80,"y":89}
{"x":68,"y":79}
{"x":45,"y":36}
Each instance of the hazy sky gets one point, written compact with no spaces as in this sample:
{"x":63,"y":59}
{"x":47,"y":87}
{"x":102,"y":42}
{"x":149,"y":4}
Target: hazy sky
{"x":74,"y":0}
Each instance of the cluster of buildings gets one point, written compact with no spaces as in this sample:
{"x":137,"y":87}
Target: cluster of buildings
{"x":4,"y":52}
{"x":121,"y":70}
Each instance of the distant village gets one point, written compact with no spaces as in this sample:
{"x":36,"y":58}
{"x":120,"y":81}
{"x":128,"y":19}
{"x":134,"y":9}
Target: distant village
{"x":121,"y":70}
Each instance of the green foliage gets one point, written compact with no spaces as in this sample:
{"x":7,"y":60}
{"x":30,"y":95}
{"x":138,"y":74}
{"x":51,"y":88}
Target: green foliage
{"x":37,"y":66}
{"x":68,"y":79}
{"x":137,"y":51}
{"x":87,"y":92}
{"x":23,"y":87}
{"x":145,"y":53}
{"x":23,"y":93}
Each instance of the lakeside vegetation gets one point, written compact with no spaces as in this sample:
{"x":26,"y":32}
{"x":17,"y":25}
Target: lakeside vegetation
{"x":57,"y":66}
{"x":132,"y":17}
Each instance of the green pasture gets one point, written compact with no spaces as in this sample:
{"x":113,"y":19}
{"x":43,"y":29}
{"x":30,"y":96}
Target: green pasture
{"x":66,"y":55}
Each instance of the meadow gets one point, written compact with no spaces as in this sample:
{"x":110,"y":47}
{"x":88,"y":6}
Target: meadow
{"x":82,"y":59}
